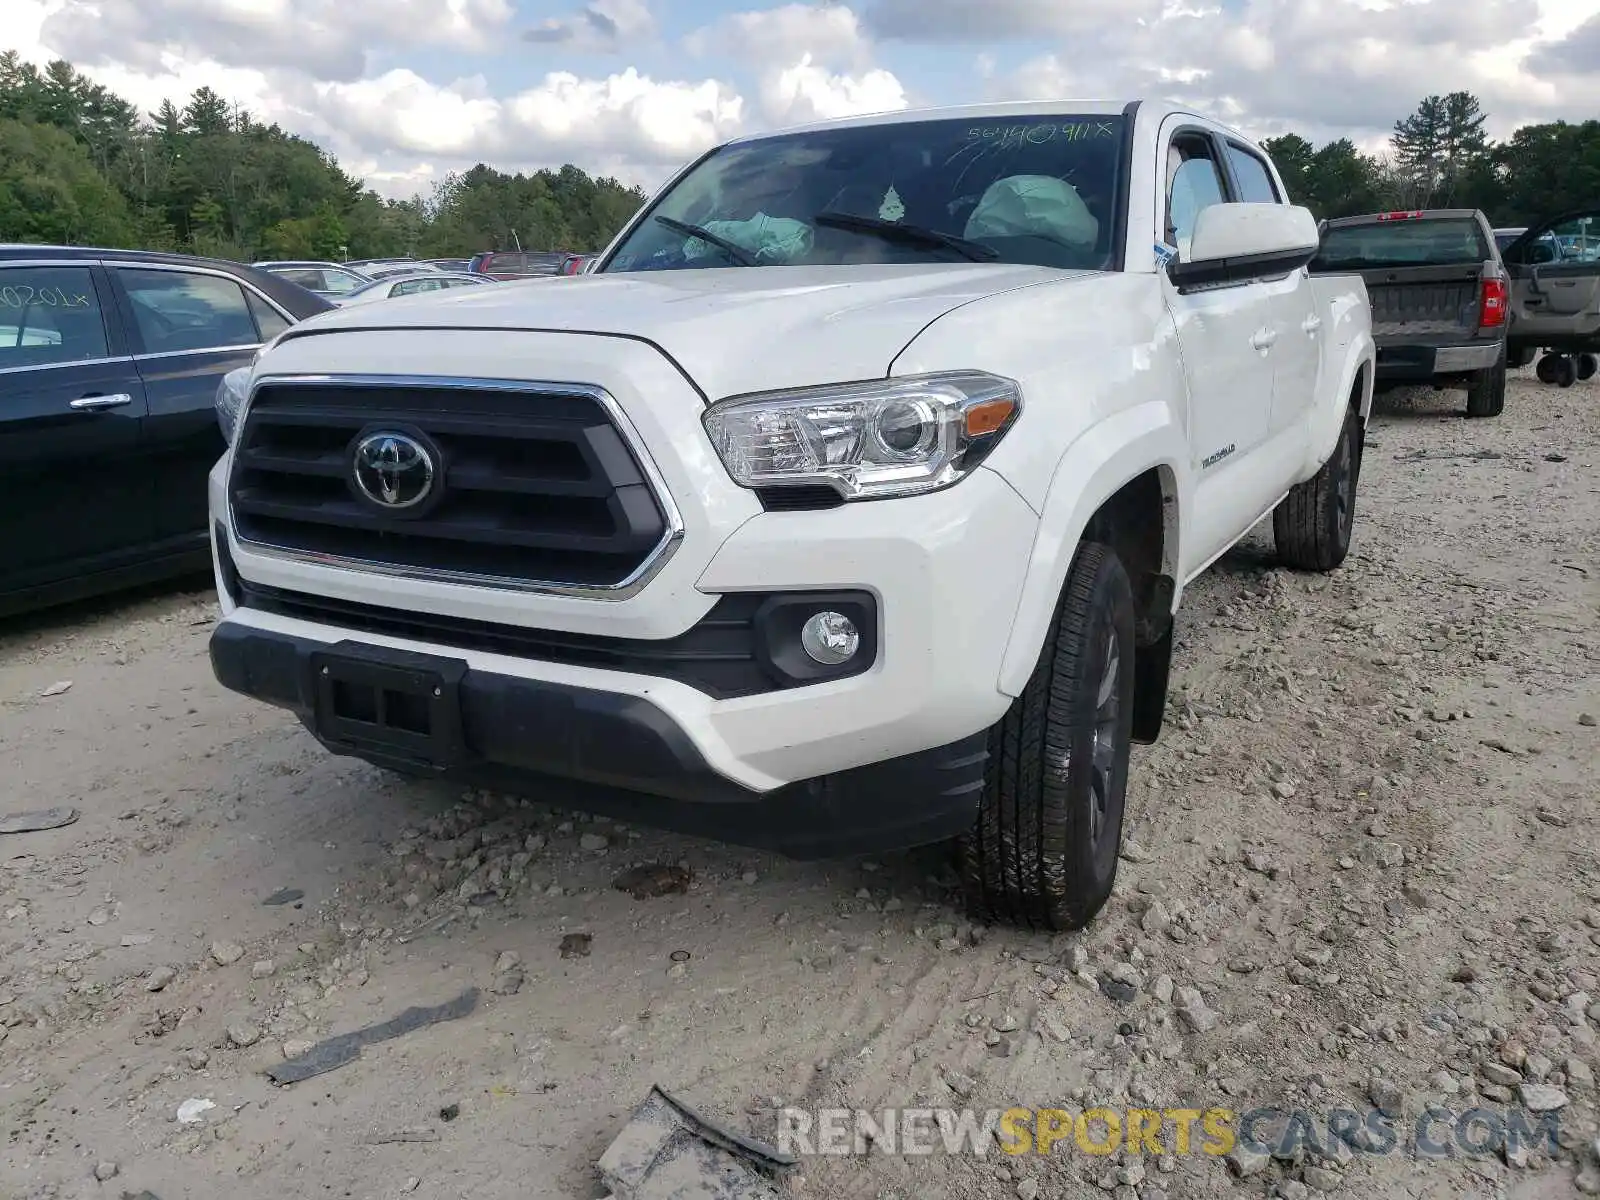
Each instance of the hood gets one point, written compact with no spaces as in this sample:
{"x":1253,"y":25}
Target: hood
{"x":732,"y":329}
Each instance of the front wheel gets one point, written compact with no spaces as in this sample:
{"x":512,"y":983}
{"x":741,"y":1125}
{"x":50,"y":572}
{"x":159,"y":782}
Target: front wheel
{"x":1043,"y":852}
{"x":1313,"y":523}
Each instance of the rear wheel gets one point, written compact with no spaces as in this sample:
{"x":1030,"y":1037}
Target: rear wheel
{"x":1549,"y":368}
{"x":1312,"y":525}
{"x":1587,"y":364}
{"x":1565,"y":371}
{"x":1487,"y":395}
{"x":1043,"y":852}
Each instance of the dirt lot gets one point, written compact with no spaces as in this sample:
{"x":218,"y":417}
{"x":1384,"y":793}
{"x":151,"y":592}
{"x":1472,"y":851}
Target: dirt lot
{"x":1370,"y":840}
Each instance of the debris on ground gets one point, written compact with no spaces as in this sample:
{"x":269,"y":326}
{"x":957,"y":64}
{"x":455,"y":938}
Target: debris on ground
{"x":650,"y":880}
{"x":395,"y":1136}
{"x":668,"y":1151}
{"x":346,"y":1047}
{"x":193,"y":1110}
{"x":284,"y":896}
{"x":37,"y":820}
{"x":57,"y":689}
{"x":576,"y":945}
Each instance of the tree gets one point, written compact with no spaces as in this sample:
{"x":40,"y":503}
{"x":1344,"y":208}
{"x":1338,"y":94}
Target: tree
{"x":50,"y":190}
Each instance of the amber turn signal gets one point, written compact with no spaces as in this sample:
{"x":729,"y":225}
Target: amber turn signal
{"x":989,"y":417}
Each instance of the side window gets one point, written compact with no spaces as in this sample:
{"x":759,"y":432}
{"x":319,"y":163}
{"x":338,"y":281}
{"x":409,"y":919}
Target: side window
{"x":340,"y":283}
{"x":1255,"y":181}
{"x":411,"y":287}
{"x":269,"y":321}
{"x":1194,"y":183}
{"x":174,"y":310}
{"x":49,"y":315}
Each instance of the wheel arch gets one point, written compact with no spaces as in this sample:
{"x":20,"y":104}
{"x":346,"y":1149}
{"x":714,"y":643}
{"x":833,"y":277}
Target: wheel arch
{"x":1125,"y":482}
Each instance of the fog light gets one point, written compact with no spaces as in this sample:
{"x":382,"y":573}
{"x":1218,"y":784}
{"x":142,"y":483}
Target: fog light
{"x":830,"y":638}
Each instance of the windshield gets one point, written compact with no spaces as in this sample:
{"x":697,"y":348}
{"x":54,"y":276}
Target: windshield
{"x":1410,"y":243}
{"x":1034,"y":190}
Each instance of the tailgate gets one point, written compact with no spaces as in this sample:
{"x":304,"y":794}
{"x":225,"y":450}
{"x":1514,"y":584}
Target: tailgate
{"x":1424,"y":301}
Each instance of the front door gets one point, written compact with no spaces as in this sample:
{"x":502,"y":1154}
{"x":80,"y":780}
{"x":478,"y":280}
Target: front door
{"x":73,"y":487}
{"x":1228,"y":337}
{"x":1555,"y":284}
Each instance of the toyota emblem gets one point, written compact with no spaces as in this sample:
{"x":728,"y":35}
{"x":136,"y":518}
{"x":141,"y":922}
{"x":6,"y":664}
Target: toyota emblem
{"x":393,"y":470}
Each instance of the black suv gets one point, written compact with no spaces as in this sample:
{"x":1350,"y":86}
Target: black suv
{"x":109,"y":365}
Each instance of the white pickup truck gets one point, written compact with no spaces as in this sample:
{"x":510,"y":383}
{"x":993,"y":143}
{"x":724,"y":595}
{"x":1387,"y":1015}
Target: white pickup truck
{"x":846,"y":505}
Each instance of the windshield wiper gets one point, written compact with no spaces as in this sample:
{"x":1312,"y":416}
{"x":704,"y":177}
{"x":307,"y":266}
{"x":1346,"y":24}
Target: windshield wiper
{"x":917,"y":235}
{"x":732,"y":249}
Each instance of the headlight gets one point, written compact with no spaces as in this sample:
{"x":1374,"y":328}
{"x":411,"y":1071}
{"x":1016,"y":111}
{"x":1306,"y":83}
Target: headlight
{"x":872,"y":440}
{"x":231,"y":393}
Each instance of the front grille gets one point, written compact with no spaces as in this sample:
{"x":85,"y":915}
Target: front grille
{"x":536,"y":487}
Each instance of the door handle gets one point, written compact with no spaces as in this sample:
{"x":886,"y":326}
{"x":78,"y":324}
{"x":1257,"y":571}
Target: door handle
{"x":1311,"y":325}
{"x":96,"y":403}
{"x":1263,"y":338}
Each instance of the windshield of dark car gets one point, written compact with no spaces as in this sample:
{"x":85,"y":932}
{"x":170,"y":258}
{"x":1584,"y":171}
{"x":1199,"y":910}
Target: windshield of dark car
{"x":1039,"y":190}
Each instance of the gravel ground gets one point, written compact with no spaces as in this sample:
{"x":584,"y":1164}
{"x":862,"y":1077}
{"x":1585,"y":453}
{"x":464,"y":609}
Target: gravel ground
{"x":1364,"y":869}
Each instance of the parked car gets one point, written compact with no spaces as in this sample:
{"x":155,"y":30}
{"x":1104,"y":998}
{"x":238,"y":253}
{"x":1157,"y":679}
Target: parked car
{"x":1555,"y":296}
{"x":326,"y":279}
{"x":520,"y":264}
{"x":1505,"y":236}
{"x":366,"y":265}
{"x":412,"y":284}
{"x":109,"y":365}
{"x":576,"y":264}
{"x":458,"y":265}
{"x":1439,"y":297}
{"x":858,"y":526}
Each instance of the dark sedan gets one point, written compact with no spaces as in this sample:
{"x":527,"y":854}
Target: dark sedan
{"x":109,"y":365}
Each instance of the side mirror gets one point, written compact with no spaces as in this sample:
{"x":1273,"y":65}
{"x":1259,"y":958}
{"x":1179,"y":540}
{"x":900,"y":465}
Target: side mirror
{"x":1232,"y":243}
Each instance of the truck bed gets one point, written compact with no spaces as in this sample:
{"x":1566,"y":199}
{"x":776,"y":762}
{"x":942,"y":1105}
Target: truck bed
{"x":1409,"y":302}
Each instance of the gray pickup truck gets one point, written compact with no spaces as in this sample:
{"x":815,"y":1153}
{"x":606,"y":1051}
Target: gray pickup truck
{"x":1439,"y":294}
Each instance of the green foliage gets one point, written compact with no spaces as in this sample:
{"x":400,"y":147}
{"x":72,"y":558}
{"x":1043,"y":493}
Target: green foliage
{"x":80,"y":165}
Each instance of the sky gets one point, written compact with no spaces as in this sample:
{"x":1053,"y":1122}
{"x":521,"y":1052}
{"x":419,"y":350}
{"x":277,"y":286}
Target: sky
{"x":404,"y":91}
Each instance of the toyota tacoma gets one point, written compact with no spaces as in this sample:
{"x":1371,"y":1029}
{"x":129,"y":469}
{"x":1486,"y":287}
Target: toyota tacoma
{"x":845,"y":505}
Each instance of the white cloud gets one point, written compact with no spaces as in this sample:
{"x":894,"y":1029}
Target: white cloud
{"x":807,"y":92}
{"x":604,"y":26}
{"x":331,"y":39}
{"x":831,"y":34}
{"x":1335,"y":68}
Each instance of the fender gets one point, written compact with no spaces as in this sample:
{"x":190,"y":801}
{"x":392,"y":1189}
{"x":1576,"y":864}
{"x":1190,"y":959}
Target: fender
{"x":1108,"y":455}
{"x":1350,"y":347}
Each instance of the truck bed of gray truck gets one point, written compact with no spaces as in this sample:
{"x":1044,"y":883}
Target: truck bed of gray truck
{"x":1438,"y":292}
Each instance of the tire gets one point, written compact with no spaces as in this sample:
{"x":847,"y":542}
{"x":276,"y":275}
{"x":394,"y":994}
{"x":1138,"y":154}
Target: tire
{"x":1312,"y":525}
{"x":1043,"y":852}
{"x":1587,"y":365}
{"x":1565,"y":371}
{"x":1487,"y":395}
{"x":1548,"y":368}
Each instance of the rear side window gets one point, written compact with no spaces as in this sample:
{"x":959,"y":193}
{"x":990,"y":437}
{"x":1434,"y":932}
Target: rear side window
{"x":1403,"y":243}
{"x":1255,"y":181}
{"x":49,"y":315}
{"x":269,"y":321}
{"x":176,"y":311}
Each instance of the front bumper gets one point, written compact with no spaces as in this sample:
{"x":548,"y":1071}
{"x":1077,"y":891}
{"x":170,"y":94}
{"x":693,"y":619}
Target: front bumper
{"x":624,"y":756}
